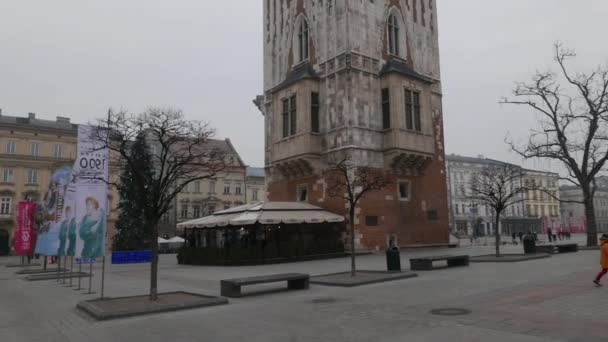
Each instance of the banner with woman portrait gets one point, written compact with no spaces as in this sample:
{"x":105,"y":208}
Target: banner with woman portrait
{"x":48,"y":240}
{"x":87,"y":195}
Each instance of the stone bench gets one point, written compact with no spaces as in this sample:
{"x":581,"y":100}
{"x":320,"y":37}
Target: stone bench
{"x":426,"y":264}
{"x":545,"y":249}
{"x":295,"y":281}
{"x":567,"y":248}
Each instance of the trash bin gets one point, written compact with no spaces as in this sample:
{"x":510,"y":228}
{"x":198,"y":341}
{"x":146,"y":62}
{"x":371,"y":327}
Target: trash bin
{"x":393,"y":259}
{"x":529,"y":244}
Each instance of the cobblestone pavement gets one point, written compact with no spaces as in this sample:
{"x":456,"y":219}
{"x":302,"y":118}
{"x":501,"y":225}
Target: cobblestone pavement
{"x":542,"y":300}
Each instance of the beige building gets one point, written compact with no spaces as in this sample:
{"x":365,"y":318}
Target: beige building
{"x":205,"y":197}
{"x":541,"y":200}
{"x":30,"y":150}
{"x":255,"y":185}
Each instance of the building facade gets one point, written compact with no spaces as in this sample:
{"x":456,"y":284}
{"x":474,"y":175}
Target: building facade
{"x":204,"y":197}
{"x":358,"y":79}
{"x":573,"y":214}
{"x":541,"y":200}
{"x":255,"y":185}
{"x":31,"y":149}
{"x":471,"y":218}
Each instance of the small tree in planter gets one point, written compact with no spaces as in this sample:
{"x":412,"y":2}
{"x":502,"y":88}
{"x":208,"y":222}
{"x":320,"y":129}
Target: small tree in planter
{"x":180,"y":154}
{"x":499,"y":187}
{"x":351,"y":183}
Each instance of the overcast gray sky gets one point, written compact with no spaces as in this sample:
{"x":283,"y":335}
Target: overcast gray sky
{"x":79,"y":57}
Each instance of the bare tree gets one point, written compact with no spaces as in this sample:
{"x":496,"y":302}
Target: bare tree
{"x":180,"y":154}
{"x":351,"y":183}
{"x":499,"y":187}
{"x":573,"y":112}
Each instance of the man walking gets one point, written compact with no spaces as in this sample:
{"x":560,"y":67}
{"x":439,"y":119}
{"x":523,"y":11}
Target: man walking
{"x":550,"y":234}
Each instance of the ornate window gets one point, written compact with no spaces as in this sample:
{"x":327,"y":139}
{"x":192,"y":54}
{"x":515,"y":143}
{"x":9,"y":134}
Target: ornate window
{"x":5,"y":205}
{"x":289,"y":116}
{"x":412,"y":111}
{"x":10,"y":147}
{"x":303,"y":40}
{"x":35,"y":149}
{"x":8,"y":176}
{"x":314,"y":112}
{"x":32,"y":176}
{"x":393,"y":35}
{"x":386,"y":109}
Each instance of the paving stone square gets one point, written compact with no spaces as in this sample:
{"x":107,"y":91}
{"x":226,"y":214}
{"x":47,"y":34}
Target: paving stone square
{"x":549,"y":299}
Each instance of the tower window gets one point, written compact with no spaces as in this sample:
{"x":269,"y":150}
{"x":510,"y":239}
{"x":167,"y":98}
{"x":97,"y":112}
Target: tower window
{"x":289,"y":116}
{"x":314,"y":112}
{"x":404,"y":191}
{"x":386,"y":109}
{"x":393,"y":35}
{"x":413,"y":119}
{"x":303,"y":40}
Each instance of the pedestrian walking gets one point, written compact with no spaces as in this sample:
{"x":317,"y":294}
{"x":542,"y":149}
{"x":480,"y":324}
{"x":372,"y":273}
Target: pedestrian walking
{"x":521,"y":236}
{"x":513,"y":237}
{"x":550,"y":234}
{"x":603,"y":259}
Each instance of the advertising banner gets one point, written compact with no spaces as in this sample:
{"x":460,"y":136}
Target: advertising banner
{"x":88,"y":194}
{"x":48,"y":242}
{"x":24,"y":234}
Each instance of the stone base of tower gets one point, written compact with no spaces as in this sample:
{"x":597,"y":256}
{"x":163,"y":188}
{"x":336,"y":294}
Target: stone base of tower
{"x":421,"y":219}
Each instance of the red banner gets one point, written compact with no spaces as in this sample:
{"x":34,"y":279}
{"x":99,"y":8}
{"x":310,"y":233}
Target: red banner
{"x":24,"y":235}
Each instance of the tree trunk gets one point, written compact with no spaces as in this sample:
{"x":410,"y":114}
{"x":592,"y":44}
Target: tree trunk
{"x":154,"y":264}
{"x":497,"y":234}
{"x":590,"y":215}
{"x":353,"y":267}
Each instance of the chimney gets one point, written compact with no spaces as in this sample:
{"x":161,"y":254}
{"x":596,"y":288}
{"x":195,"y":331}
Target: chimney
{"x":31,"y":115}
{"x":0,"y":111}
{"x":63,"y":119}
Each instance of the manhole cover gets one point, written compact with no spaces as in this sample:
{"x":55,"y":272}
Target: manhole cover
{"x":450,"y":312}
{"x":324,"y":300}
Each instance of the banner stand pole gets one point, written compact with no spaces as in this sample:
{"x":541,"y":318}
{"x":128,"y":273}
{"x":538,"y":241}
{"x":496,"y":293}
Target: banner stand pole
{"x":71,"y":270}
{"x":44,"y":267}
{"x":103,"y":274}
{"x":22,"y":259}
{"x":79,"y":274}
{"x":90,"y":277}
{"x":58,"y":268}
{"x":65,"y":269}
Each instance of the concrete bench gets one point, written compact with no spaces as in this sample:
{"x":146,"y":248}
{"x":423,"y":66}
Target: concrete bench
{"x":295,"y":281}
{"x":545,"y":249}
{"x":426,"y":264}
{"x":567,"y":248}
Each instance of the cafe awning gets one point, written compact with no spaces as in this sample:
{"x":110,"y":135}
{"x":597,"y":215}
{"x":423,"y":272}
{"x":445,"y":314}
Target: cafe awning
{"x":265,"y":213}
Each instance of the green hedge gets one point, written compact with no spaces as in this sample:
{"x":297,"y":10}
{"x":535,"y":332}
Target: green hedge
{"x":255,"y":253}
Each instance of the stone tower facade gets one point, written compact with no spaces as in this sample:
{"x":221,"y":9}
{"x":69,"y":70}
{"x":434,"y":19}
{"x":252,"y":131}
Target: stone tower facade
{"x":358,"y":78}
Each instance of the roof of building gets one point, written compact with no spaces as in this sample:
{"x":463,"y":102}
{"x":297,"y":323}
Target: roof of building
{"x":256,"y":172}
{"x":61,"y":123}
{"x":397,"y":66}
{"x":301,"y":72}
{"x":475,"y":160}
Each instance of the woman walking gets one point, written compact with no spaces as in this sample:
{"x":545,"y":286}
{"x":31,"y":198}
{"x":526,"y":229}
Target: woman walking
{"x":604,"y":259}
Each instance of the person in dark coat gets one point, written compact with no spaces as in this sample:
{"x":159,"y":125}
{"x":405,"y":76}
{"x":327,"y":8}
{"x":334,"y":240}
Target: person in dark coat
{"x":550,"y":235}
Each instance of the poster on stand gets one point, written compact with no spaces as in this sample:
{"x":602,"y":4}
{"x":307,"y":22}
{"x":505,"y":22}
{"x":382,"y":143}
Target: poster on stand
{"x":24,"y":234}
{"x":88,"y":193}
{"x":48,"y":241}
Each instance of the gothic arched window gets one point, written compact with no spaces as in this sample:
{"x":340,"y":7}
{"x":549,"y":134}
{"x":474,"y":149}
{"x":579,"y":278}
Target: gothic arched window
{"x":393,"y":35}
{"x":303,"y":40}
